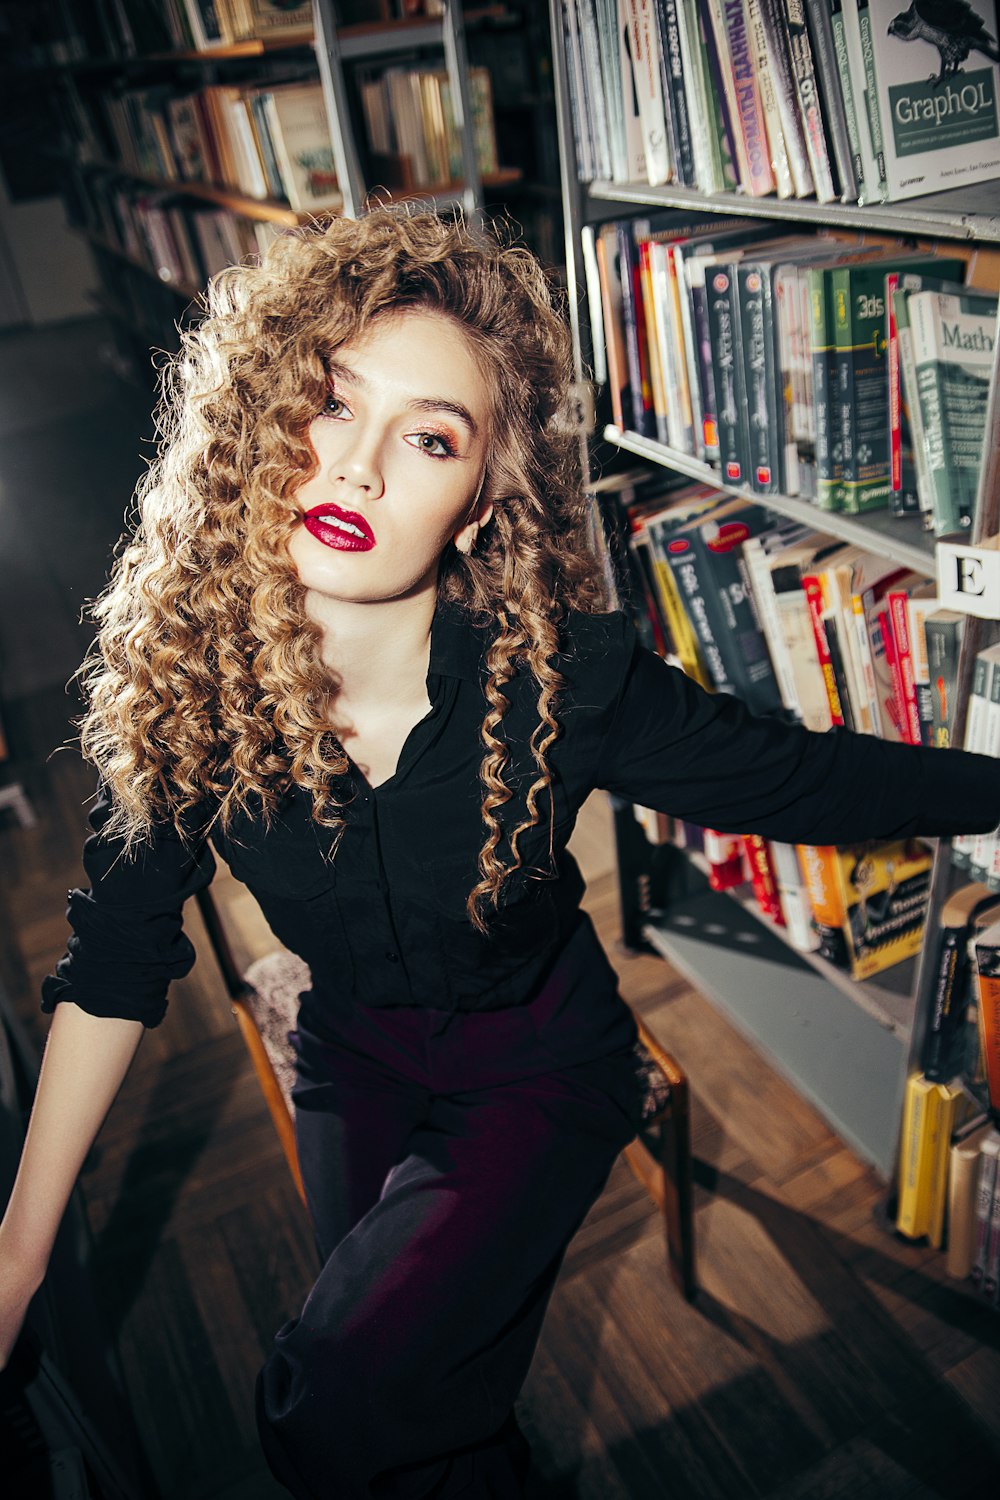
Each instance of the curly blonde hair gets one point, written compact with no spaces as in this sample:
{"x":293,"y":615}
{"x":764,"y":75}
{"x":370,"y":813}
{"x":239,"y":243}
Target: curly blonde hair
{"x":205,"y":685}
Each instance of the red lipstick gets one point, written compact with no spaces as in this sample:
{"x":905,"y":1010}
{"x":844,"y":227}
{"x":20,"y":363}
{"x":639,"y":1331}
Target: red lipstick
{"x":345,"y":530}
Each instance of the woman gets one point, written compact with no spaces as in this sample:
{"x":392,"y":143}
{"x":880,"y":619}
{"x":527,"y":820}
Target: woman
{"x":360,"y":645}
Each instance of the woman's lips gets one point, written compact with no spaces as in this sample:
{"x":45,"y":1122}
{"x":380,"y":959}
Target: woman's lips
{"x":345,"y":530}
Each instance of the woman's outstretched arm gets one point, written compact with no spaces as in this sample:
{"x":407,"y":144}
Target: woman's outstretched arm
{"x":85,"y":1062}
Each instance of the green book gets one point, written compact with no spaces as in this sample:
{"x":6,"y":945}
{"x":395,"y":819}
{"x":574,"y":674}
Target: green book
{"x":857,"y":296}
{"x":952,"y":340}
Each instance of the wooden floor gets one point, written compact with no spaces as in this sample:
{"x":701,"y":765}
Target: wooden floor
{"x":824,"y":1358}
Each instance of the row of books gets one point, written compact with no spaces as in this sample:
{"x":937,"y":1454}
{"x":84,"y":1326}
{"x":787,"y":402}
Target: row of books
{"x":851,"y":100}
{"x":179,"y":241}
{"x":949,"y":1187}
{"x":133,"y":28}
{"x":853,"y":375}
{"x":409,"y":112}
{"x":267,"y":142}
{"x":862,"y":908}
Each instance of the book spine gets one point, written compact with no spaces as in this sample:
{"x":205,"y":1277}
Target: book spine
{"x":706,"y":375}
{"x":944,"y":639}
{"x":645,"y":72}
{"x":822,"y":877}
{"x":895,"y":707}
{"x":812,"y":587}
{"x":699,"y":114}
{"x":749,"y":108}
{"x":694,"y":591}
{"x":871,"y":92}
{"x":950,"y":977}
{"x":654,"y":342}
{"x":895,"y":392}
{"x":690,"y":350}
{"x":919,"y":1114}
{"x":668,"y":25}
{"x":674,"y":327}
{"x":764,"y":72}
{"x":723,"y":95}
{"x":899,"y":608}
{"x":761,"y":407}
{"x":686,"y":640}
{"x":821,"y":39}
{"x":991,"y":1267}
{"x":986,"y":1181}
{"x":725,"y":356}
{"x":762,"y":878}
{"x":963,"y":844}
{"x":793,"y":896}
{"x":851,"y":119}
{"x":787,"y":96}
{"x":635,"y":333}
{"x":761,"y":586}
{"x":736,"y":611}
{"x":983,"y":848}
{"x":821,"y":351}
{"x":962,"y":1173}
{"x":949,"y":1098}
{"x":809,"y":104}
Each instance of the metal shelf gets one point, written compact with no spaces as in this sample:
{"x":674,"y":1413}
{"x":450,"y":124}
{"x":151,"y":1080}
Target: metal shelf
{"x":902,"y":539}
{"x":888,"y":999}
{"x":963,"y":213}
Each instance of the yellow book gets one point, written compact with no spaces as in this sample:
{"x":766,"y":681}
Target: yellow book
{"x":951,"y":1103}
{"x":921,"y":1112}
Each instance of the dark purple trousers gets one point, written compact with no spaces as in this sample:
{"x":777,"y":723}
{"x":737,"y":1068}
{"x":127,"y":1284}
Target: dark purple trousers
{"x":448,"y":1159}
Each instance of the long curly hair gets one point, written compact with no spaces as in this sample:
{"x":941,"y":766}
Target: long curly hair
{"x":205,"y":686}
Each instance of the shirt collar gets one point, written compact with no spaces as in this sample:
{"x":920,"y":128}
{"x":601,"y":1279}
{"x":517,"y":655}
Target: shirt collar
{"x":457,"y":643}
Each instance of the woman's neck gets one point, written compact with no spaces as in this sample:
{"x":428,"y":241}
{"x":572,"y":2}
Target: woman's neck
{"x":379,"y":651}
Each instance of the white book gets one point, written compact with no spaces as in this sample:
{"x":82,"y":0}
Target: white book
{"x":300,"y":134}
{"x":871,"y":160}
{"x":938,"y":90}
{"x":645,"y":58}
{"x":634,"y":121}
{"x":983,"y":844}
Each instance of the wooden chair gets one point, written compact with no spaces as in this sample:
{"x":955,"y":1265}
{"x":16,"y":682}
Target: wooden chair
{"x":265,"y":1003}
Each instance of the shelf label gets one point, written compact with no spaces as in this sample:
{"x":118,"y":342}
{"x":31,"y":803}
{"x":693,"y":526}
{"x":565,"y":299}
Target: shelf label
{"x":969,"y":578}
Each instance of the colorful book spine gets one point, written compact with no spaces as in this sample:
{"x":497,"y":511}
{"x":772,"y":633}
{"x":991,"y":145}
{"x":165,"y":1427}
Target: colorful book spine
{"x":749,"y":109}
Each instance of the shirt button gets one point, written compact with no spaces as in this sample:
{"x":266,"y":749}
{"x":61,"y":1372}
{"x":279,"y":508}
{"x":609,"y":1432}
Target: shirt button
{"x":393,"y":958}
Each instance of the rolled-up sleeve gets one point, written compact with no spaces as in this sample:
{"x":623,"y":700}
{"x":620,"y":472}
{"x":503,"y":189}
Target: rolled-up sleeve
{"x":704,"y":757}
{"x":128,"y":941}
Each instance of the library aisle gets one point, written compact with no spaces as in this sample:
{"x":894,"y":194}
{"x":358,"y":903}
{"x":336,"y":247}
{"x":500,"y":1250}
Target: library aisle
{"x":823,"y":1357}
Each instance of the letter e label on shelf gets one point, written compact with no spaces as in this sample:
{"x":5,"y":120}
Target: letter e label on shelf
{"x":969,"y":578}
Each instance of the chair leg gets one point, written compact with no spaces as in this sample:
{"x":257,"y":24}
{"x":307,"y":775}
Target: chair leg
{"x":678,"y":1212}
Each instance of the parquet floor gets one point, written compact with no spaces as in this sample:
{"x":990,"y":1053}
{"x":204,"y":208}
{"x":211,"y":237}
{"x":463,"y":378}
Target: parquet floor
{"x":823,"y":1359}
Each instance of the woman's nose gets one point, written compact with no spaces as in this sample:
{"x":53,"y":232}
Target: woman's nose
{"x":359,"y":466}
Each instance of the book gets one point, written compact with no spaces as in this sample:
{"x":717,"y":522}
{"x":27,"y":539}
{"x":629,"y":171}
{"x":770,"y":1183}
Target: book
{"x":953,"y":339}
{"x":765,"y":67}
{"x":804,"y":71}
{"x":869,"y":902}
{"x":984,"y":845}
{"x":782,"y":74}
{"x":858,"y":301}
{"x":986,"y":1193}
{"x":962,"y":1186}
{"x":936,"y":80}
{"x":852,"y":104}
{"x":951,"y":1107}
{"x":763,"y":880}
{"x":940,"y":1057}
{"x":749,"y":110}
{"x":300,"y":133}
{"x":943,"y":631}
{"x":820,"y":24}
{"x":905,"y":438}
{"x":921,"y":1122}
{"x":987,"y":960}
{"x":644,"y":56}
{"x":674,"y":94}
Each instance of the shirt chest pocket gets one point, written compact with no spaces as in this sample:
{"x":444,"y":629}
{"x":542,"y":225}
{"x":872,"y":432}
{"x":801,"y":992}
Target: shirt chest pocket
{"x":284,"y":868}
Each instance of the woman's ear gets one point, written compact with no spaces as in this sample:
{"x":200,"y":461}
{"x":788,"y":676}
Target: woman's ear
{"x":465,"y":540}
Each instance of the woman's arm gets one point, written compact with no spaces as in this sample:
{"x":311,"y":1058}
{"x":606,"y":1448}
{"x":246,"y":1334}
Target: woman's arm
{"x":86,"y":1059}
{"x":703,"y":756}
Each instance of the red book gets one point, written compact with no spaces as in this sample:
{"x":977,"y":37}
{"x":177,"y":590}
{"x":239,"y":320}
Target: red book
{"x":813,"y":588}
{"x":762,"y":877}
{"x":895,"y":706}
{"x":898,"y":601}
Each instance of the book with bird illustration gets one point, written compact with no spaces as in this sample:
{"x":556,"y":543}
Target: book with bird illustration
{"x":936,"y":67}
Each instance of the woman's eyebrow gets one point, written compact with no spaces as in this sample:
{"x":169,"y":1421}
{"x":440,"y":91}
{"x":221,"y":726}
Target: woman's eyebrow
{"x":337,"y":371}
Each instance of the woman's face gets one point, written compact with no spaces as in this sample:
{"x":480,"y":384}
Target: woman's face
{"x":401,"y":443}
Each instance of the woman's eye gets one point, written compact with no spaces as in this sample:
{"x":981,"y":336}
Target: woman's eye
{"x":333,"y":406}
{"x":435,"y":443}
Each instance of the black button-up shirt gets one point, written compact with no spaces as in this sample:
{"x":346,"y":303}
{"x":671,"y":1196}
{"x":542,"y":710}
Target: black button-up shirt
{"x":384,"y":921}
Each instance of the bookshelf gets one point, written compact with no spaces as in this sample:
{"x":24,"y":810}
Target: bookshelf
{"x":848,"y":1046}
{"x":327,"y":58}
